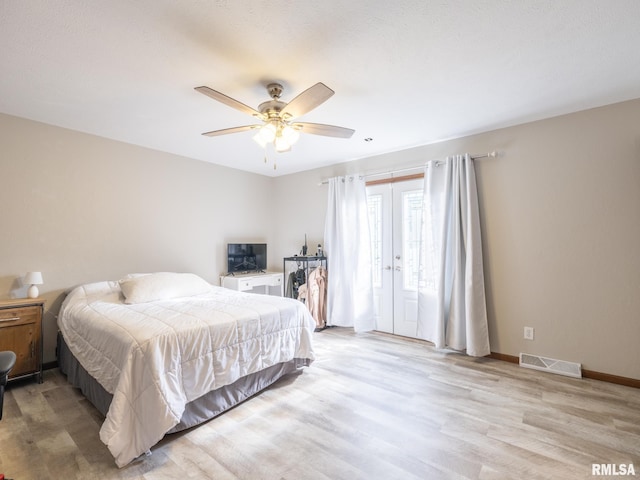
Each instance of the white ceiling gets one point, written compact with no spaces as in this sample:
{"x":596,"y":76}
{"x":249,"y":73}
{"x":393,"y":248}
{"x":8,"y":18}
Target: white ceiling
{"x":405,"y":73}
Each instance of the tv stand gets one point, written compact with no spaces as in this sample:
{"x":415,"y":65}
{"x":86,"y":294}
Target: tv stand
{"x":248,"y":281}
{"x":233,"y":274}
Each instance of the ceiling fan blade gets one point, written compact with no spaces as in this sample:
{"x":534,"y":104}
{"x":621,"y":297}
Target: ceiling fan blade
{"x":308,"y":100}
{"x":326,"y":130}
{"x":222,"y":98}
{"x":226,"y":131}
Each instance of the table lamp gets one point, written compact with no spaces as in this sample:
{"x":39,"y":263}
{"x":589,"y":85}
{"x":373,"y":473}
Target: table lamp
{"x":33,"y":279}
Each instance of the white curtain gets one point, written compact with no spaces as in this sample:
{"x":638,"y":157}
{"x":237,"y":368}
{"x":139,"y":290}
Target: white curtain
{"x":451,"y":297}
{"x":348,"y":248}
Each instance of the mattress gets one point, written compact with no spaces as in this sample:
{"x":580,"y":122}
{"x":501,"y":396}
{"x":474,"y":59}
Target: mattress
{"x":156,"y":357}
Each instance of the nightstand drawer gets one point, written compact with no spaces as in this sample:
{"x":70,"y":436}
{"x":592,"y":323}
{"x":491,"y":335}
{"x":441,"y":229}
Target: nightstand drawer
{"x":19,"y":316}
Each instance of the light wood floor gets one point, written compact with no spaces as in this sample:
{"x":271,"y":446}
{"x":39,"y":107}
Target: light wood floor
{"x":372,"y":406}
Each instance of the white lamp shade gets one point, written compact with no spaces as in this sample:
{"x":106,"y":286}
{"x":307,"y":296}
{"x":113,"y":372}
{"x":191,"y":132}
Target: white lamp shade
{"x":290,"y":134}
{"x":33,"y":278}
{"x":268,"y":132}
{"x":282,"y":145}
{"x":259,"y":140}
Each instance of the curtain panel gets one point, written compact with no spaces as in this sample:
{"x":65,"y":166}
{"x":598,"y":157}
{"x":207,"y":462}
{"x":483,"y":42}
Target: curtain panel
{"x":451,"y":295}
{"x":348,"y":247}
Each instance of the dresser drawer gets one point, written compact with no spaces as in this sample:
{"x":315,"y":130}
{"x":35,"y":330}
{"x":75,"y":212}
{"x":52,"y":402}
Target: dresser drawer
{"x":273,"y":280}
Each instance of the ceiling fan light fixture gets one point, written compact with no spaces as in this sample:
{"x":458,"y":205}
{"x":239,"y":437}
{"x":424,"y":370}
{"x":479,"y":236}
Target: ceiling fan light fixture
{"x":281,"y":144}
{"x":268,"y":132}
{"x":290,"y":134}
{"x":277,"y":116}
{"x":260,"y":140}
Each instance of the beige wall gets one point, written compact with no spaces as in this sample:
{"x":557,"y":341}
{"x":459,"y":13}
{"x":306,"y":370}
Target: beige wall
{"x":560,"y":212}
{"x":82,"y":208}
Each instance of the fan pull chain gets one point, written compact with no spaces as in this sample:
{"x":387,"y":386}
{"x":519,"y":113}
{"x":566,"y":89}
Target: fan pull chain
{"x":266,"y":160}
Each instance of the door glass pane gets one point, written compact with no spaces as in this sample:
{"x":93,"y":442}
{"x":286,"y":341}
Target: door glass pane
{"x":374,"y":203}
{"x":411,"y":224}
{"x":430,"y":245}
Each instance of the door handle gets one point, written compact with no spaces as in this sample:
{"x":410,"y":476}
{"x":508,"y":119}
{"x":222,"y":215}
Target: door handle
{"x":388,"y":267}
{"x":398,"y":268}
{"x":397,"y":257}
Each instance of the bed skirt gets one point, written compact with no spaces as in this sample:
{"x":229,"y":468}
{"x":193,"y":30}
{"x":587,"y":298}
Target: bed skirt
{"x":200,"y":410}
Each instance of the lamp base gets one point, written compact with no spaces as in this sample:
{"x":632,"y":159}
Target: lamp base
{"x":32,"y":292}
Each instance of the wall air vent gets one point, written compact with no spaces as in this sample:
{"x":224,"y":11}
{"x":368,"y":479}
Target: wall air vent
{"x":551,"y":365}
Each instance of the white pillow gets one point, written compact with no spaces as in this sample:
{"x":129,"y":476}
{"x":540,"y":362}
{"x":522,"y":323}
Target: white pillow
{"x":134,"y":275}
{"x":162,"y":286}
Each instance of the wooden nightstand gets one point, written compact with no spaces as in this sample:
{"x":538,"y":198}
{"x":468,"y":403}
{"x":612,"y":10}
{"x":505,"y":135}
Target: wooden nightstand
{"x":21,"y":332}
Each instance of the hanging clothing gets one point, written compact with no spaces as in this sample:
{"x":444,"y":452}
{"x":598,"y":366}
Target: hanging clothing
{"x":451,"y":297}
{"x":291,"y":289}
{"x":314,"y":292}
{"x":296,"y":279}
{"x":301,"y":277}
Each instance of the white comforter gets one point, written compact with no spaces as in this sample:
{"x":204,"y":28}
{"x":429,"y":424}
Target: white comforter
{"x":155,"y":357}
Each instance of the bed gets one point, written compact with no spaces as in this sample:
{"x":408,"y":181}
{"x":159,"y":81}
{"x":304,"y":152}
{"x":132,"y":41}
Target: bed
{"x":158,"y":353}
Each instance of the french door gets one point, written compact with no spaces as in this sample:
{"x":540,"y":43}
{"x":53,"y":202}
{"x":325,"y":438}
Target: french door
{"x":395,"y":212}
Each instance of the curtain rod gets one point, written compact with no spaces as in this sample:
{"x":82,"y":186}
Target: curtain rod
{"x":392,"y":172}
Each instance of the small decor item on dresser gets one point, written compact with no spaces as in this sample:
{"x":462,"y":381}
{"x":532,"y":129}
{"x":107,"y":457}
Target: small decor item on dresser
{"x":319,"y":253}
{"x":33,"y":279}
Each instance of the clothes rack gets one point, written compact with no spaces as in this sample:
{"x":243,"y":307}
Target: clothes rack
{"x":302,"y":262}
{"x":299,"y":286}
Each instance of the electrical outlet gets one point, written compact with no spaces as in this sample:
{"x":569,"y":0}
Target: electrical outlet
{"x":528,"y":333}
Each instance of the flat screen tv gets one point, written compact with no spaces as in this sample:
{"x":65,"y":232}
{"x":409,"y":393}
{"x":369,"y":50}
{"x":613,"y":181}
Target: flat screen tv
{"x":246,"y":257}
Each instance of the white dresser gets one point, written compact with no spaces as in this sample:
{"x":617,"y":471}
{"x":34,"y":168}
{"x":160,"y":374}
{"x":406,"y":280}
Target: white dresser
{"x":248,"y":281}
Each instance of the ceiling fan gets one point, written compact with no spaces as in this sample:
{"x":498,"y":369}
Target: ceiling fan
{"x":278,"y":125}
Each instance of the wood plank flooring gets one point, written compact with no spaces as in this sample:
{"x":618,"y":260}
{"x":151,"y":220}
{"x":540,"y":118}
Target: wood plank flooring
{"x":372,"y":406}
